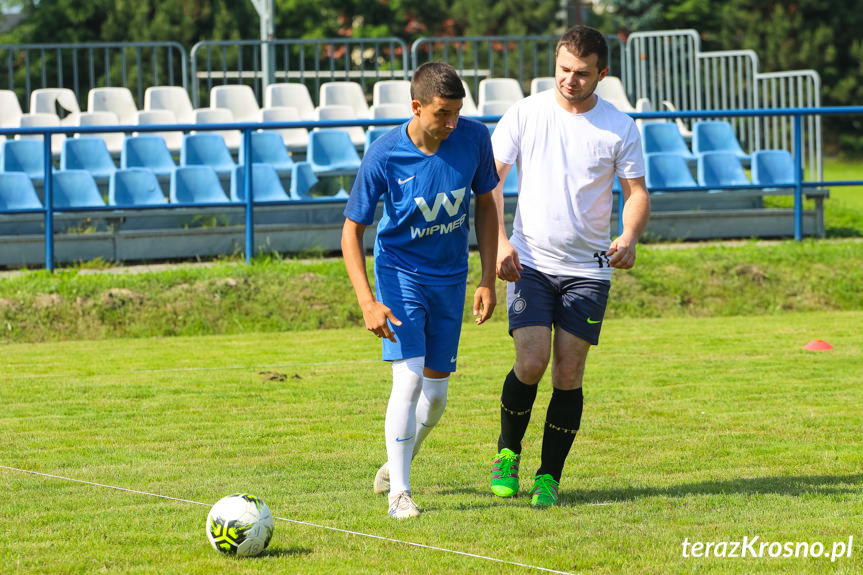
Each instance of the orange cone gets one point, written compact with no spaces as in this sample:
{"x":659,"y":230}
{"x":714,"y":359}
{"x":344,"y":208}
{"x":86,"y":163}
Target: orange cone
{"x":817,"y":345}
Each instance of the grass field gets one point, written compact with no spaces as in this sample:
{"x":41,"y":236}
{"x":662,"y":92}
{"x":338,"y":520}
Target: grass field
{"x":695,"y":429}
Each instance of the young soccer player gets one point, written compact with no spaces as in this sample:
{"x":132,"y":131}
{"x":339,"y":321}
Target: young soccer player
{"x":424,"y":170}
{"x":568,"y":144}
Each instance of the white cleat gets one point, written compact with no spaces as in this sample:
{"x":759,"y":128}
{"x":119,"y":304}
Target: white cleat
{"x":402,"y":506}
{"x":382,"y":479}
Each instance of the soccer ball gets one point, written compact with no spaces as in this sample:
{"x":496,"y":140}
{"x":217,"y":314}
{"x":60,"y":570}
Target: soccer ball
{"x":240,"y":524}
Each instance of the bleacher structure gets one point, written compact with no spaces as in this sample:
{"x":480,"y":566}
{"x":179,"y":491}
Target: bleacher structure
{"x":141,"y":172}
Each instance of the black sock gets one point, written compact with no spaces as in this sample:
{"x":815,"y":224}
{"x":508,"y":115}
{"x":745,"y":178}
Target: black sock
{"x":561,"y":423}
{"x":516,"y":402}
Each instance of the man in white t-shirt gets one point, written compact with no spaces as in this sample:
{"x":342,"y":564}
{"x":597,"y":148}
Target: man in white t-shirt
{"x":568,"y":145}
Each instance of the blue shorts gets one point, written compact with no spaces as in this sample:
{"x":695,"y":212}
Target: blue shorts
{"x":431,"y":317}
{"x":576,"y":305}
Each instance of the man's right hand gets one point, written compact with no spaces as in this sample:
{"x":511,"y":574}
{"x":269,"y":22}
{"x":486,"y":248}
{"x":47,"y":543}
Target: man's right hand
{"x":376,"y":314}
{"x":508,"y":266}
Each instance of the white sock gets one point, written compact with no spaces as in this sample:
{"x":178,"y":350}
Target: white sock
{"x":400,"y":426}
{"x":430,"y":408}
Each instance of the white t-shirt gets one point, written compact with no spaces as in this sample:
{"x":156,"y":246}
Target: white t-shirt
{"x":566,"y":165}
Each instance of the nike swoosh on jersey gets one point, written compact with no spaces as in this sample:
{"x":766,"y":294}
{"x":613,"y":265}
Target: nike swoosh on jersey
{"x":406,"y":180}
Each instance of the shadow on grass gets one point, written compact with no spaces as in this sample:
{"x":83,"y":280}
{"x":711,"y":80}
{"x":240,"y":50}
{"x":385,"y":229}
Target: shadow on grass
{"x":286,"y":552}
{"x":789,"y":485}
{"x":573,"y":496}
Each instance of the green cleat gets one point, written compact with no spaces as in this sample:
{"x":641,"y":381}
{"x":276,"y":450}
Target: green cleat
{"x":504,"y":474}
{"x":544,"y":492}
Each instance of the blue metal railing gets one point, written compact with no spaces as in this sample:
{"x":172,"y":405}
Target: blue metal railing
{"x":249,"y":204}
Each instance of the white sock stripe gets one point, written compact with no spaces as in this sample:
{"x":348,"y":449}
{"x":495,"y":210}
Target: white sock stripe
{"x":295,"y":521}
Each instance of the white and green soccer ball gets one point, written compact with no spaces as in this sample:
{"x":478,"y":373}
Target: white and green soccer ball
{"x":240,"y":524}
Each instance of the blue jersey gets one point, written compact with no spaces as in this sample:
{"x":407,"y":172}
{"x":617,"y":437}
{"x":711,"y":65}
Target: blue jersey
{"x":424,"y":230}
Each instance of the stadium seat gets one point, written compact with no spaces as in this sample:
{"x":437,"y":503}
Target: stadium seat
{"x":239,"y":99}
{"x":135,"y":187}
{"x":174,"y":140}
{"x":61,"y":102}
{"x":88,"y":153}
{"x":396,"y":111}
{"x":113,"y":140}
{"x":290,"y":95}
{"x":611,"y":90}
{"x":345,"y":94}
{"x":373,"y":134}
{"x":510,"y":184}
{"x":233,"y":138}
{"x":196,"y":185}
{"x":667,"y":170}
{"x":303,"y":178}
{"x":664,"y":137}
{"x":716,"y":136}
{"x":17,"y":193}
{"x":494,"y":107}
{"x":118,"y":100}
{"x":331,"y":152}
{"x":541,"y":84}
{"x":42,"y":121}
{"x":684,"y":131}
{"x":335,"y":112}
{"x":772,"y":167}
{"x":268,"y":148}
{"x":75,"y":189}
{"x":499,"y":89}
{"x":173,"y":98}
{"x":720,"y":169}
{"x":207,"y":149}
{"x":392,"y":92}
{"x":10,"y":109}
{"x":295,"y":139}
{"x":147,"y":151}
{"x":468,"y":107}
{"x":24,"y":156}
{"x":265,"y":183}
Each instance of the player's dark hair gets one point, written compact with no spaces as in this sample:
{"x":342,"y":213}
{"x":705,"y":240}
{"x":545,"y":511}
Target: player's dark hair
{"x":436,"y":79}
{"x":582,"y":41}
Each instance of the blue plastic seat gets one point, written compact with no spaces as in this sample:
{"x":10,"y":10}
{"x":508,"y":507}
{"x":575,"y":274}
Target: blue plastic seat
{"x":510,"y":184}
{"x":24,"y":156}
{"x":664,"y":137}
{"x":135,"y":187}
{"x":716,"y":136}
{"x":667,"y":170}
{"x":772,"y":167}
{"x":303,"y":178}
{"x":269,"y":148}
{"x":373,"y":134}
{"x":87,"y":153}
{"x":720,"y":169}
{"x":196,"y":185}
{"x":331,"y":152}
{"x":265,"y":183}
{"x":205,"y":149}
{"x":147,"y":151}
{"x":17,"y":192}
{"x":75,"y":189}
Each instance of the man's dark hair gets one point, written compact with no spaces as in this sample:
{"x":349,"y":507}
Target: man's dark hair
{"x":436,"y":79}
{"x":582,"y":41}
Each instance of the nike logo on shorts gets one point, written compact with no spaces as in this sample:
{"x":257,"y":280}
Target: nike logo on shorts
{"x":590,"y":321}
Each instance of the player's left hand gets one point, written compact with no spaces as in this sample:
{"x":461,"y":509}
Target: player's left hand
{"x":484,"y":300}
{"x":621,"y":253}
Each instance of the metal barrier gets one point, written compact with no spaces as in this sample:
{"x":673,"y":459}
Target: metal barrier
{"x":797,"y":116}
{"x":669,"y":67}
{"x":519,"y":57}
{"x":81,"y":67}
{"x":312,"y":62}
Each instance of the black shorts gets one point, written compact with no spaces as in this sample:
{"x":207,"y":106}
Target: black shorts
{"x":576,"y":305}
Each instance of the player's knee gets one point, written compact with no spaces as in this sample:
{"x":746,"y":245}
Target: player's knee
{"x":529,"y":369}
{"x":567,"y":374}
